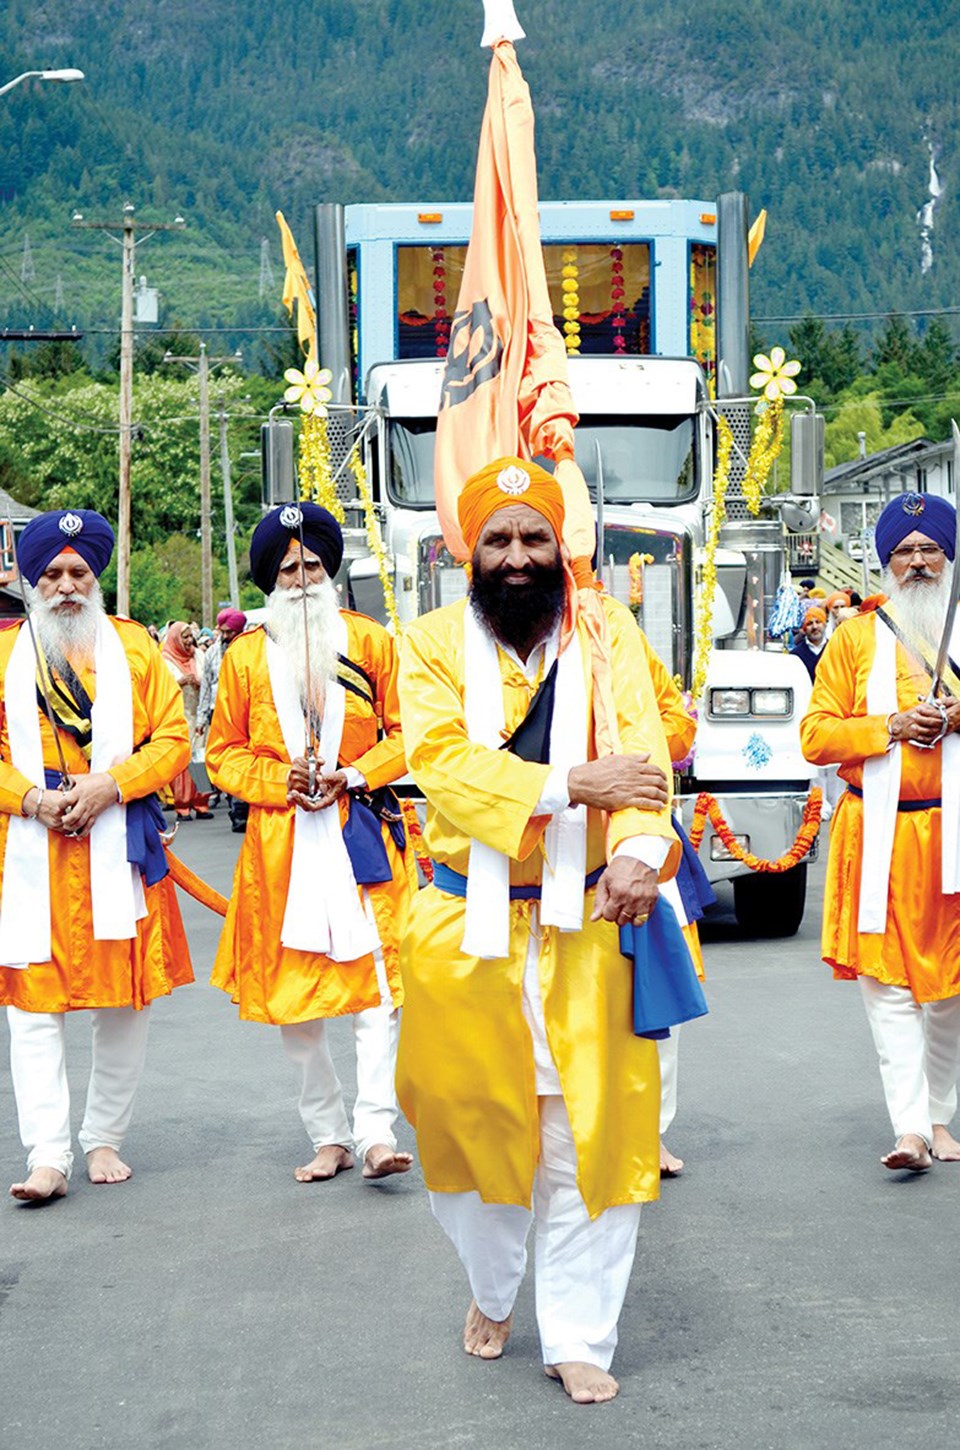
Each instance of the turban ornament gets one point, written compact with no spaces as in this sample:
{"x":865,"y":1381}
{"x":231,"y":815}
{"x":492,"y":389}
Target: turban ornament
{"x":921,"y":513}
{"x":84,"y":531}
{"x":502,"y":483}
{"x":275,"y":531}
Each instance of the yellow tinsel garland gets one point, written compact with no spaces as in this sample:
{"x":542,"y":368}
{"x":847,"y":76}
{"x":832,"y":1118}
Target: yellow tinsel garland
{"x":708,"y":576}
{"x":763,"y":451}
{"x":316,"y":474}
{"x":375,"y":538}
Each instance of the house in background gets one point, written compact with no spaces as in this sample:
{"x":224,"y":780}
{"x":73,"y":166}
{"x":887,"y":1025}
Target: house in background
{"x":854,"y":494}
{"x":14,"y":518}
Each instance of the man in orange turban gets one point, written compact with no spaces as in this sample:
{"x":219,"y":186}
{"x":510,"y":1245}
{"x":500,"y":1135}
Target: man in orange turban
{"x":532,"y":1099}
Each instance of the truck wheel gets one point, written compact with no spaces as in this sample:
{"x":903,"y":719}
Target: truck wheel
{"x":768,"y":905}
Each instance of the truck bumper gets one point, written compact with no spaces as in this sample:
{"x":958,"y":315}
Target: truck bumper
{"x":770,"y":819}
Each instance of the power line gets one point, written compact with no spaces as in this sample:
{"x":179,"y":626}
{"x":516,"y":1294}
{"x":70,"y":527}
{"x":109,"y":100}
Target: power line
{"x":863,"y":316}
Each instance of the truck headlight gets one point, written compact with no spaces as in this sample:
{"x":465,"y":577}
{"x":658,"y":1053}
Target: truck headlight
{"x":729,"y":702}
{"x":772,"y":702}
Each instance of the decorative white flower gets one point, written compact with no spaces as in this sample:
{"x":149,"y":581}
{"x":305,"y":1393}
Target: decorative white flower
{"x":774,"y":374}
{"x":309,"y":388}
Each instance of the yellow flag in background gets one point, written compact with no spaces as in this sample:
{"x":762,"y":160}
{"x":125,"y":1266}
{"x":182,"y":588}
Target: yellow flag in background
{"x":296,"y":289}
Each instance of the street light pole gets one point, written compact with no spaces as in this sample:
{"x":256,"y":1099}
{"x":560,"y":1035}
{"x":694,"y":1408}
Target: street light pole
{"x":228,"y":508}
{"x":43,"y":75}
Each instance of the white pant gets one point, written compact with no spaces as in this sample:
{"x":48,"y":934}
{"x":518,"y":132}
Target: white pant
{"x":919,"y":1051}
{"x":669,"y":1051}
{"x":582,"y":1265}
{"x":39,"y":1071}
{"x":376,"y":1032}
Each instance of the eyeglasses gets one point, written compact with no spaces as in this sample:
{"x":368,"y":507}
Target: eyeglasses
{"x":905,"y":554}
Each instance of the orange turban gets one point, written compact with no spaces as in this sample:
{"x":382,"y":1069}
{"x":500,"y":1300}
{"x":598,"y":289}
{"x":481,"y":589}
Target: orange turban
{"x":815,"y":614}
{"x":839,"y":598}
{"x":502,"y":483}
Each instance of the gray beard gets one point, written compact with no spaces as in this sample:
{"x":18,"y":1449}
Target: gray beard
{"x":921,"y":606}
{"x":66,"y":633}
{"x":285,"y":622}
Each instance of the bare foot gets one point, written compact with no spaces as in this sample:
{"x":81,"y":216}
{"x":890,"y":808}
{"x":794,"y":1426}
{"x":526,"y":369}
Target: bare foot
{"x":104,"y":1165}
{"x":42,"y":1185}
{"x":485,"y":1337}
{"x":670,"y":1166}
{"x":911,"y":1152}
{"x":380,"y":1161}
{"x":330,"y":1161}
{"x":945,"y":1145}
{"x":586,"y":1384}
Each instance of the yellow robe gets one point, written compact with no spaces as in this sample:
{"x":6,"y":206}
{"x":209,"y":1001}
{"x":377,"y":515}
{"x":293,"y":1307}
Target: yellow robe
{"x":246,"y":758}
{"x":85,"y":973}
{"x":920,"y":948}
{"x":465,"y":1074}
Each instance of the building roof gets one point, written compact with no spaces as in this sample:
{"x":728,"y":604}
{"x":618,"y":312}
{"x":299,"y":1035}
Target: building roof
{"x":12,"y":509}
{"x":902,"y":456}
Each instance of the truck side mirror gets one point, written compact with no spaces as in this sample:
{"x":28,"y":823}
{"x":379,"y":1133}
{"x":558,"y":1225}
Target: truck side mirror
{"x":806,"y":454}
{"x":278,"y":476}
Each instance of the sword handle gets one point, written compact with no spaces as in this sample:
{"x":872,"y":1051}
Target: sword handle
{"x":311,"y":771}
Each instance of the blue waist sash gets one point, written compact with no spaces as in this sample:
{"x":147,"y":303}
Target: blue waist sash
{"x":931,"y":805}
{"x":145,"y":824}
{"x":450,"y":881}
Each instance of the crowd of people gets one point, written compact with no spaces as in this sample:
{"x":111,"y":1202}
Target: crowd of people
{"x":497,"y":1006}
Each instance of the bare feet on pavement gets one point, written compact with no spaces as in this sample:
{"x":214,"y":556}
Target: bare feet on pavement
{"x":911,"y":1152}
{"x":945,"y":1145}
{"x":42,"y":1185}
{"x":670,"y":1166}
{"x":330,"y":1160}
{"x":104,"y":1165}
{"x":586,"y":1384}
{"x":380,"y":1161}
{"x":485,"y":1337}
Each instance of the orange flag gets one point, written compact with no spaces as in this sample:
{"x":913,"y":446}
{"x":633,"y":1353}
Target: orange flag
{"x":505,"y":388}
{"x":296,"y":289}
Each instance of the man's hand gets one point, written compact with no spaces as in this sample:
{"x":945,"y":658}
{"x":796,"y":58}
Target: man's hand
{"x":616,"y":782}
{"x":626,"y":892}
{"x":50,"y":811}
{"x":329,"y":788}
{"x":88,"y":798}
{"x":924,"y":722}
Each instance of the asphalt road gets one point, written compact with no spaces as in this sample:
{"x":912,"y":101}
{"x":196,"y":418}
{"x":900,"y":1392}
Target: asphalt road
{"x":788,"y":1292}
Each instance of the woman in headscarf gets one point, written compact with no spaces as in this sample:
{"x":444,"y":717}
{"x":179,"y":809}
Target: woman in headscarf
{"x":179,"y":651}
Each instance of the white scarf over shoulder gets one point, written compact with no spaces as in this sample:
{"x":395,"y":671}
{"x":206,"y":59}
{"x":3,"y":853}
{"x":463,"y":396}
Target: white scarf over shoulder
{"x":487,"y":924}
{"x":116,"y":888}
{"x":323,"y":913}
{"x":881,"y":793}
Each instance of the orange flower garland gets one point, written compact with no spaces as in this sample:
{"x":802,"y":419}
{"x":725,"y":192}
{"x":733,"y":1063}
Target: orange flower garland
{"x":415,"y":836}
{"x":707,"y":806}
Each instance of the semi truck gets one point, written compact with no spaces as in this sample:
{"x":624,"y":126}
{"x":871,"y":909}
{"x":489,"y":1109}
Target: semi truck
{"x":651,"y":297}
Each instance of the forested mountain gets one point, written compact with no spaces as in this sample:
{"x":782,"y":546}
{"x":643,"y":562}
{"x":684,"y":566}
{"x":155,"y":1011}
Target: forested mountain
{"x":828,"y":115}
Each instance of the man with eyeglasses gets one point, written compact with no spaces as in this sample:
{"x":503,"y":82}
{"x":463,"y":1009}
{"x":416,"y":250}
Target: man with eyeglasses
{"x":892,"y":909}
{"x":306,"y":728}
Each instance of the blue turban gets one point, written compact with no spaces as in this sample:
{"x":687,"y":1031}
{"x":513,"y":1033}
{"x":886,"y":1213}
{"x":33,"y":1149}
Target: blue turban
{"x":82,"y":530}
{"x":923,"y":513}
{"x":273,"y":535}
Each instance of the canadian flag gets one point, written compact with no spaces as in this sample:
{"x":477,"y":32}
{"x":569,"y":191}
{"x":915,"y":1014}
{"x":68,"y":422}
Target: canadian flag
{"x":827,"y":523}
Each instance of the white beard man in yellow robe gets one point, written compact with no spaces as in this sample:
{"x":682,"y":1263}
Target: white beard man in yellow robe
{"x":518,"y":1066}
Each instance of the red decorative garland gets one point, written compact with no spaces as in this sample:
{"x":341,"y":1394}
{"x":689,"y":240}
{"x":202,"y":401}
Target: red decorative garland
{"x":707,"y":806}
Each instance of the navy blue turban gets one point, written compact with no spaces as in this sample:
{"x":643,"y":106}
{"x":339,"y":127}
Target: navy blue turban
{"x":82,"y":530}
{"x":273,"y":535}
{"x":923,"y":513}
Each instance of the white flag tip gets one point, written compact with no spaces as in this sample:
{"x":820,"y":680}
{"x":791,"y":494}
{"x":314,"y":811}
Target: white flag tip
{"x":500,"y":22}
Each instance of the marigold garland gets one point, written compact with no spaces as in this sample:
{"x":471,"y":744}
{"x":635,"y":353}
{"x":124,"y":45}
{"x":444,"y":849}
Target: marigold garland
{"x":375,"y":538}
{"x":415,"y":836}
{"x":708,"y":575}
{"x":316,"y":474}
{"x":707,"y":807}
{"x":764,"y":450}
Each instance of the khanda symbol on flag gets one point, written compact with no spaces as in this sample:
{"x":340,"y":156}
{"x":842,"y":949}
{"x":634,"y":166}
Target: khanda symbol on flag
{"x":505,"y":388}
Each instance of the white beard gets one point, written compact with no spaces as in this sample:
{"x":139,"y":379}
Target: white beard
{"x":285,"y":623}
{"x":66,"y":632}
{"x":921,"y":605}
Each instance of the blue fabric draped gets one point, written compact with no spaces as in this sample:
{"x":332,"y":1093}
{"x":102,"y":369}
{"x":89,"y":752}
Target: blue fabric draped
{"x":693,"y":883}
{"x":666,"y":990}
{"x":364,"y":842}
{"x":145,"y":825}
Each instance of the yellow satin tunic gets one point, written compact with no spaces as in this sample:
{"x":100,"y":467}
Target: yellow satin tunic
{"x":246,"y":758}
{"x":920,"y":948}
{"x":465,"y":1074}
{"x":83,"y":972}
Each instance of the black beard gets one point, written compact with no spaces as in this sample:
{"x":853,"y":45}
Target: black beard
{"x":519,"y":615}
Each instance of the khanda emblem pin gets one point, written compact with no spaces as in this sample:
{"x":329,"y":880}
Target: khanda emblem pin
{"x":513,"y":480}
{"x":474,"y":356}
{"x":913,"y":504}
{"x":71,"y":525}
{"x":292,"y":516}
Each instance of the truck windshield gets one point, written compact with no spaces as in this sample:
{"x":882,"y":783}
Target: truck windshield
{"x":643,"y":460}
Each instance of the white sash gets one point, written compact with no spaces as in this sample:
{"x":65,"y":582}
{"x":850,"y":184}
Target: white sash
{"x":487,"y":919}
{"x":116,"y":890}
{"x":881,"y":793}
{"x":323,"y":914}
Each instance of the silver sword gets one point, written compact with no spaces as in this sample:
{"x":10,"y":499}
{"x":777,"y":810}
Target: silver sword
{"x":66,"y":780}
{"x":943,"y":653}
{"x":311,"y":754}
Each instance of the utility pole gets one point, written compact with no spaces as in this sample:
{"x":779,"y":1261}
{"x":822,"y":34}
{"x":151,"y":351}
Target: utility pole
{"x":128,"y":229}
{"x":228,"y":508}
{"x":202,"y":365}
